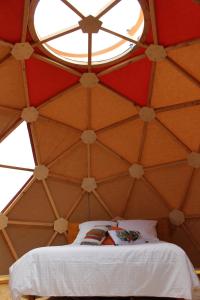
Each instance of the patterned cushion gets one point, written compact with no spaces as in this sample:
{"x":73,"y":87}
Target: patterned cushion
{"x":126,"y":237}
{"x":95,"y":236}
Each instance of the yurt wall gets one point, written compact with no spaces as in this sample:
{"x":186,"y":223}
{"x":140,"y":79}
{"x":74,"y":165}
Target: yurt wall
{"x":118,"y":140}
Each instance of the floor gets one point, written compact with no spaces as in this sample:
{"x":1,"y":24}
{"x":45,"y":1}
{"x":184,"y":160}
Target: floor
{"x":5,"y":294}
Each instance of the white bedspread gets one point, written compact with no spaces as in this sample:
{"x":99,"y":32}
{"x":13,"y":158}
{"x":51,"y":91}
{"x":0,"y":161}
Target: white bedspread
{"x":159,"y":269}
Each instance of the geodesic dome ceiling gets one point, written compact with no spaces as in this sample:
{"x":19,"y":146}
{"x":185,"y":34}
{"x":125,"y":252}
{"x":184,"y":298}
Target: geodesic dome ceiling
{"x":117,"y":139}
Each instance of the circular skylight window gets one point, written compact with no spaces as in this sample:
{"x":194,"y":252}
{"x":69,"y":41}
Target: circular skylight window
{"x":88,"y":32}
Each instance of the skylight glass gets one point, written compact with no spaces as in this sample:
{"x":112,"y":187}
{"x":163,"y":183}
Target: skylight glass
{"x":52,"y":17}
{"x":16,"y":163}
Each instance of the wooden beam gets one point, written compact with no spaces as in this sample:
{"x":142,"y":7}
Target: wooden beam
{"x":121,"y":65}
{"x":60,"y":123}
{"x":177,"y":106}
{"x":9,"y":244}
{"x":157,"y":193}
{"x":112,"y":178}
{"x":75,"y":205}
{"x":183,"y":71}
{"x":35,"y":143}
{"x":55,"y":36}
{"x":28,"y":223}
{"x":108,"y":149}
{"x":54,"y":235}
{"x":25,"y":83}
{"x":142,"y":141}
{"x":65,"y":178}
{"x":57,"y":64}
{"x":76,"y":11}
{"x":89,"y":52}
{"x":25,"y":20}
{"x":20,"y":195}
{"x":190,"y":236}
{"x":103,"y":204}
{"x":166,"y":164}
{"x":130,"y":194}
{"x":10,"y":129}
{"x":64,"y":152}
{"x":183,"y":44}
{"x":171,"y":133}
{"x":118,"y":123}
{"x":151,"y":84}
{"x":16,"y":168}
{"x":153,"y":21}
{"x":50,"y":198}
{"x":187,"y":191}
{"x":123,"y":37}
{"x":107,"y":8}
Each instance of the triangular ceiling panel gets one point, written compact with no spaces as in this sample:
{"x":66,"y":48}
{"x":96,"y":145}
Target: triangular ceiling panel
{"x":131,"y":81}
{"x":145,"y":203}
{"x":28,"y":207}
{"x":109,"y":107}
{"x":53,"y":138}
{"x":77,"y":105}
{"x":124,"y":139}
{"x":11,"y":84}
{"x":11,"y":12}
{"x":192,"y":205}
{"x":161,"y":146}
{"x":45,"y":80}
{"x":171,"y":181}
{"x":8,"y":119}
{"x":105,"y":163}
{"x":6,"y":254}
{"x":188,"y":58}
{"x":4,"y":51}
{"x":185,"y":124}
{"x":172,"y":86}
{"x":95,"y":207}
{"x":174,"y":20}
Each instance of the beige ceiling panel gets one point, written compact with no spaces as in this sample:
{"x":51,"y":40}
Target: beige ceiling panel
{"x":70,"y":108}
{"x":27,"y":238}
{"x":171,"y":182}
{"x":33,"y":206}
{"x":171,"y":86}
{"x":96,"y":210}
{"x":82,"y":212}
{"x":53,"y":138}
{"x":73,"y":164}
{"x":107,"y":107}
{"x":185,"y":123}
{"x":161,"y":147}
{"x":7,"y":119}
{"x":11,"y":84}
{"x":6,"y":257}
{"x":144,"y":203}
{"x":105,"y":164}
{"x":4,"y":50}
{"x":59,"y":240}
{"x":64,"y":195}
{"x":192,"y":205}
{"x":188,"y":57}
{"x":182,"y":239}
{"x":124,"y":139}
{"x":115,"y":194}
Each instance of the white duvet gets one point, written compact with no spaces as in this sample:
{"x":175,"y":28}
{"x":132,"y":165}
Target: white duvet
{"x":158,"y":269}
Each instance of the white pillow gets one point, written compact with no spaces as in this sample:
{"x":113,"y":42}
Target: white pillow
{"x":147,"y":228}
{"x":84,"y":227}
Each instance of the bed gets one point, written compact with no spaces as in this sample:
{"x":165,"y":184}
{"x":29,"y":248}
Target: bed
{"x":156,"y":269}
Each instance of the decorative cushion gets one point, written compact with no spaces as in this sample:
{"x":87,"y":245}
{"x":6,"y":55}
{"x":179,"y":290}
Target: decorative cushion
{"x":95,"y":236}
{"x":147,"y":228}
{"x":126,"y":237}
{"x":108,"y":240}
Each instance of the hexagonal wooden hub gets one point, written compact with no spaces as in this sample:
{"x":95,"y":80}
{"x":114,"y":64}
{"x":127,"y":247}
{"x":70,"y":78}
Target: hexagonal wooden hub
{"x":90,"y":24}
{"x":22,"y":51}
{"x":89,"y":184}
{"x":176,"y":217}
{"x":41,"y":172}
{"x":155,"y":52}
{"x":3,"y":221}
{"x":194,"y":160}
{"x":147,"y":114}
{"x":89,"y":80}
{"x":61,"y":225}
{"x":88,"y":137}
{"x":30,"y":114}
{"x":136,"y":171}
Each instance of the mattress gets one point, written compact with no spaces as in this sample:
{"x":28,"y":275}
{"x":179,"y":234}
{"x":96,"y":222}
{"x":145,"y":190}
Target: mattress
{"x":155,"y":269}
